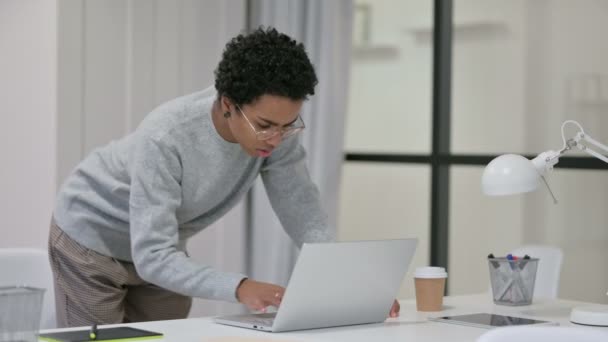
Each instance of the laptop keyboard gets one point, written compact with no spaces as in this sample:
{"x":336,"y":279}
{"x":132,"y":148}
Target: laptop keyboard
{"x":259,"y":319}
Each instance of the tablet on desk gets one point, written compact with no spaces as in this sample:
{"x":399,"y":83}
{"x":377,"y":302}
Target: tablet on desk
{"x":489,"y":321}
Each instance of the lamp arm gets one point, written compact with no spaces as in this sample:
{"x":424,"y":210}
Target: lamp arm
{"x":582,"y":136}
{"x":577,"y":142}
{"x":545,"y":161}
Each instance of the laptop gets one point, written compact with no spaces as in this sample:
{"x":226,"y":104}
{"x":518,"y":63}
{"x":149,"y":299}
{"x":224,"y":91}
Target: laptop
{"x":337,"y":284}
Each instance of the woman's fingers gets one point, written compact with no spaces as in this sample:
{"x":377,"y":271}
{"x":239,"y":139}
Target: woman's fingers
{"x":257,"y":295}
{"x":277,"y":296}
{"x":395,"y":309}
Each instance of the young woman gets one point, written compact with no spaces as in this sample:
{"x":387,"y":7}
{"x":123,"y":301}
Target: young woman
{"x":123,"y":217}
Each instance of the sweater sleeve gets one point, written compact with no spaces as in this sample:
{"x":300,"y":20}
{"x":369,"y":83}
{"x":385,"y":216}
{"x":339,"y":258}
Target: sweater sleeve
{"x":293,"y":196}
{"x":155,"y":196}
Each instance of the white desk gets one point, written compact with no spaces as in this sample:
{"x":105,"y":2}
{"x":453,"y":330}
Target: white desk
{"x":410,"y":326}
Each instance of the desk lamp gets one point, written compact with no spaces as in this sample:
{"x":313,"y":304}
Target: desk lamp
{"x":512,"y":174}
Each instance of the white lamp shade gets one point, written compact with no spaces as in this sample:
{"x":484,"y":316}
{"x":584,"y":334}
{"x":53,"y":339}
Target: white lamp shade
{"x":509,"y":174}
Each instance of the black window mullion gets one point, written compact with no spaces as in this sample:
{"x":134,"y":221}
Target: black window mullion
{"x":572,"y":162}
{"x":440,"y":173}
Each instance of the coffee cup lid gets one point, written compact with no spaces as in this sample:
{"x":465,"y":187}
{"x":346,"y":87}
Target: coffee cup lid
{"x":430,"y":272}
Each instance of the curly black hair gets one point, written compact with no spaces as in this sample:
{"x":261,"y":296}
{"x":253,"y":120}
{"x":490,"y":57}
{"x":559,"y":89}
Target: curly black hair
{"x":264,"y":62}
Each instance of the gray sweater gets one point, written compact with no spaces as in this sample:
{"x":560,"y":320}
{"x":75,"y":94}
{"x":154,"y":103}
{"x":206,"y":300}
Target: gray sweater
{"x":140,"y":198}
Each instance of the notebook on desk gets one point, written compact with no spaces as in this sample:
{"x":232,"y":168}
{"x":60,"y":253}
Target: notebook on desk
{"x":336,"y":284}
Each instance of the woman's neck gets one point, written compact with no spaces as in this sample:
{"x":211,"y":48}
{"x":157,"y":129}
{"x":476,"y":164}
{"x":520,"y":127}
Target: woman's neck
{"x":221,"y":123}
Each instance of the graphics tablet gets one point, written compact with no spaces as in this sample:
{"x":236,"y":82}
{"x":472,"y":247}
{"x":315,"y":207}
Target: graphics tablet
{"x":103,"y":334}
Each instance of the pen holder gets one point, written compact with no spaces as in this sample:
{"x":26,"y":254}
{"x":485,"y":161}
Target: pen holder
{"x":512,"y":280}
{"x":20,"y":309}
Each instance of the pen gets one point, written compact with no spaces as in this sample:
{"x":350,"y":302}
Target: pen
{"x":93,"y":332}
{"x":523,"y":263}
{"x":510,"y":258}
{"x":494,"y":263}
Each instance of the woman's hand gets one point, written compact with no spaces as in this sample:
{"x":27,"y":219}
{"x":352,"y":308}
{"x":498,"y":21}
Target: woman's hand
{"x":257,"y":295}
{"x":395,"y":309}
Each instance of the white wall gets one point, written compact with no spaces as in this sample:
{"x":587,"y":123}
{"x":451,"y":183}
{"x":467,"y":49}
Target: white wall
{"x":28,"y":87}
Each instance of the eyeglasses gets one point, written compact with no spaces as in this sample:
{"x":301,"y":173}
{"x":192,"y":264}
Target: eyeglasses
{"x":285,"y":132}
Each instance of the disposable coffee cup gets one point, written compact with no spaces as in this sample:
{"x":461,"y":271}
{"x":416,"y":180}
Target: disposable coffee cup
{"x":430,"y":286}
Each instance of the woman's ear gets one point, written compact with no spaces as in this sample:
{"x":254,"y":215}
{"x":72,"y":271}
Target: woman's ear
{"x":226,"y":104}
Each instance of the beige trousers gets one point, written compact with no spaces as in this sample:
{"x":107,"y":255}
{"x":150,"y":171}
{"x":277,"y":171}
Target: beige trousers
{"x":91,"y":288}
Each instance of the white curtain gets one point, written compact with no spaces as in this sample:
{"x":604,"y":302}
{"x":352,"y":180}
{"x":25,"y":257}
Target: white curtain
{"x":325,"y":28}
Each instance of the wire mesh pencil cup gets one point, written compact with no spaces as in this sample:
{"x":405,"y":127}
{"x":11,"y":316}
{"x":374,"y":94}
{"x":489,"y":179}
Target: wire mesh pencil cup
{"x":512,"y":280}
{"x":20,"y":310}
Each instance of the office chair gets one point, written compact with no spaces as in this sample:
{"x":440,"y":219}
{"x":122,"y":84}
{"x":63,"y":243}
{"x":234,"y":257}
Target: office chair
{"x":544,"y":333}
{"x":549,"y":268}
{"x":30,"y":267}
